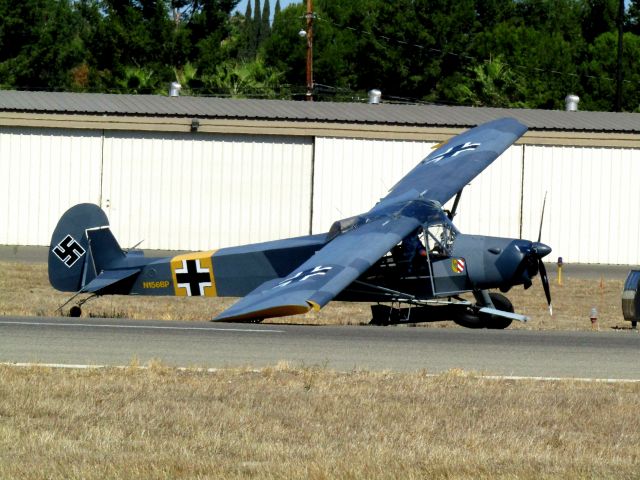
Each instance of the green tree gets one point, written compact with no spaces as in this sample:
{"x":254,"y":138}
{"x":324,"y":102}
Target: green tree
{"x":599,"y":73}
{"x":599,"y":16}
{"x":633,"y":17}
{"x":494,"y":84}
{"x":285,"y":51}
{"x":255,"y":29}
{"x":244,"y":79}
{"x":541,"y":42}
{"x":39,"y":44}
{"x":265,"y":26}
{"x":246,"y":34}
{"x":209,"y":26}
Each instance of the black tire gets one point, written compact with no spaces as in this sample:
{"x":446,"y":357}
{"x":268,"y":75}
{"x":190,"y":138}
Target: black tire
{"x":75,"y":311}
{"x":473,"y":320}
{"x":501,"y":303}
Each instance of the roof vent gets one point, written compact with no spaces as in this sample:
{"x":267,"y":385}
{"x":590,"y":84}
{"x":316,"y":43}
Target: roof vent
{"x":374,"y":96}
{"x":174,"y":89}
{"x":571,"y":103}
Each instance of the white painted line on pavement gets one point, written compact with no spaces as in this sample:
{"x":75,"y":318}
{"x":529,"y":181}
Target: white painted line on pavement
{"x":140,"y":327}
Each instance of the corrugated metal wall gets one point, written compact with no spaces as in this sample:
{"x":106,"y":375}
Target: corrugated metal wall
{"x":593,"y":202}
{"x":200,"y":191}
{"x":174,"y":191}
{"x":44,"y":171}
{"x":592,"y":213}
{"x":192,"y":192}
{"x":490,"y":204}
{"x":351,"y":175}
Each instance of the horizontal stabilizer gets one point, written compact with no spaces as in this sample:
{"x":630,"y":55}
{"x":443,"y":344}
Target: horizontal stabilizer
{"x":112,"y":282}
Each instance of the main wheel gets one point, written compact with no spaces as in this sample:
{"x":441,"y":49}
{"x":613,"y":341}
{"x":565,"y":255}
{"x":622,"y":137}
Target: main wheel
{"x":501,"y":303}
{"x":471,"y":319}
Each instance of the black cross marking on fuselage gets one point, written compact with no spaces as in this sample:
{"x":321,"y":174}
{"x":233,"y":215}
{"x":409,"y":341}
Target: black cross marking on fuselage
{"x":193,"y":278}
{"x":68,"y":251}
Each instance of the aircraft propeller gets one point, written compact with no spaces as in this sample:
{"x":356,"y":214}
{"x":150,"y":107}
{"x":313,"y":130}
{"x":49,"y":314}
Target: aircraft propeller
{"x":530,"y":263}
{"x":541,"y":250}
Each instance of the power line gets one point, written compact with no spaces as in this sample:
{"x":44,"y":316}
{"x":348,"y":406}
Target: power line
{"x":466,"y":56}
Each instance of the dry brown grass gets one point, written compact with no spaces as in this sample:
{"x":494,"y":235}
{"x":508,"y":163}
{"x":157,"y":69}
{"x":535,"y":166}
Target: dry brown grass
{"x":25,"y":290}
{"x":311,"y":423}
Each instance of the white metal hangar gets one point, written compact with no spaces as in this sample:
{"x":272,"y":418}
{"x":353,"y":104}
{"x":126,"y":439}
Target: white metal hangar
{"x":203,"y":173}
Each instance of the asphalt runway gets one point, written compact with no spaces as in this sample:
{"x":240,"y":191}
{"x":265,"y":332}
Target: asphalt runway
{"x":599,"y":355}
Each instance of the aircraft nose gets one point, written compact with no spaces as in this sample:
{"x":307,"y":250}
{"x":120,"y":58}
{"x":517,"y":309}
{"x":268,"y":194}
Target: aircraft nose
{"x":541,"y":250}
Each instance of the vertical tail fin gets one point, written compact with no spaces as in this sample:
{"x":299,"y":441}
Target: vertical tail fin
{"x":81,"y":245}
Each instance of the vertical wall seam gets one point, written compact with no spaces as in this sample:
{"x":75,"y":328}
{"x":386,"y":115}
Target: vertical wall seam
{"x":522,"y":173}
{"x":102,"y":142}
{"x":312,"y":191}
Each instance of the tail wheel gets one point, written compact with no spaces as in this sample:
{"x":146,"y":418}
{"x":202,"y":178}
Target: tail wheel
{"x":500,"y":302}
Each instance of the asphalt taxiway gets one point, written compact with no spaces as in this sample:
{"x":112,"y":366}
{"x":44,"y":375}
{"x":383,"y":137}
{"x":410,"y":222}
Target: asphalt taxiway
{"x":565,"y":354}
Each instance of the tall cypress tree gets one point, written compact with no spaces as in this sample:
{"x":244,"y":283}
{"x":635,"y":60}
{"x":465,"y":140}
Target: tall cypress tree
{"x":257,"y":26}
{"x":276,"y":11}
{"x":244,"y":51}
{"x":265,"y":26}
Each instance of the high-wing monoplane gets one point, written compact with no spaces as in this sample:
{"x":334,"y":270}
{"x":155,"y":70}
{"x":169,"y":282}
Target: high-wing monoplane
{"x":404,"y":255}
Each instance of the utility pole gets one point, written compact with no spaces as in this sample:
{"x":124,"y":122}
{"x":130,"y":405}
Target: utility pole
{"x":618,"y":103}
{"x":309,"y":16}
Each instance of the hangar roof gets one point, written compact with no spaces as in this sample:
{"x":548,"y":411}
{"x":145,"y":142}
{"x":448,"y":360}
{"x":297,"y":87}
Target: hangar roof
{"x":324,"y":112}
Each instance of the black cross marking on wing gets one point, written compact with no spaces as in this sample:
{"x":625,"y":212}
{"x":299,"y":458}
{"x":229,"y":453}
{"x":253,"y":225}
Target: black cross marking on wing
{"x":453,"y":151}
{"x":302,"y":276}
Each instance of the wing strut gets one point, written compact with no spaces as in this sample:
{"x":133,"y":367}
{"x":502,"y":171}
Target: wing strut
{"x":452,"y":213}
{"x":386,"y":290}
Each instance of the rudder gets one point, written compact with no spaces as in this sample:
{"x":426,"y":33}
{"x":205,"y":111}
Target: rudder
{"x":70,"y":262}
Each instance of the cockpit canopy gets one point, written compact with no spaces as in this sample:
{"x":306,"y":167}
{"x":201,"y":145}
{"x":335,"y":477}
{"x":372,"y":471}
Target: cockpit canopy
{"x":437,"y":233}
{"x":439,"y":236}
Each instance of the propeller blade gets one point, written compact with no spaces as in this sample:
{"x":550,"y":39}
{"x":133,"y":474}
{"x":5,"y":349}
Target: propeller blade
{"x":544,"y":203}
{"x":545,"y":283}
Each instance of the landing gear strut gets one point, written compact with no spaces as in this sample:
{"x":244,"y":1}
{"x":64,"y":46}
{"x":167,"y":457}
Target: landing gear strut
{"x":464,"y":313}
{"x":483,"y":320}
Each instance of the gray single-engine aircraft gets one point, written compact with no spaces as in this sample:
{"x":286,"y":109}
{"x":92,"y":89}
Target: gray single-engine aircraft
{"x":405,"y":251}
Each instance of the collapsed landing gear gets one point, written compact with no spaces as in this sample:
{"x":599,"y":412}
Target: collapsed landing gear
{"x":384,"y":315}
{"x":483,"y":320}
{"x":463,"y":313}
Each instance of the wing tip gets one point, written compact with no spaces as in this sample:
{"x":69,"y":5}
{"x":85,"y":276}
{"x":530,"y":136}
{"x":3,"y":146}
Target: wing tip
{"x":279,"y":311}
{"x":314,"y":306}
